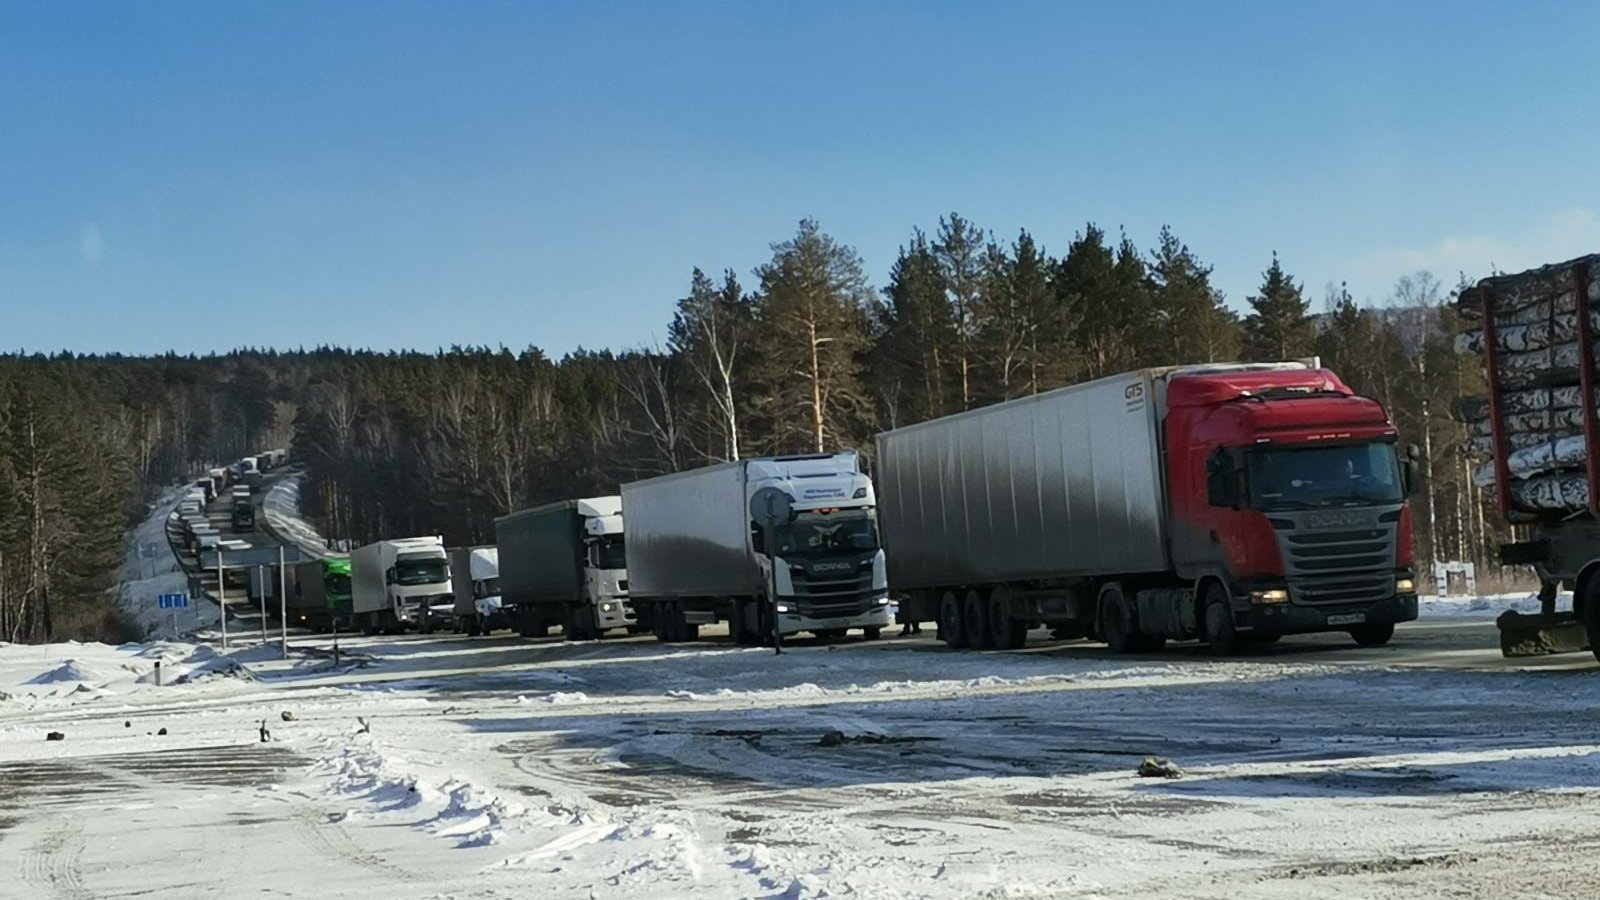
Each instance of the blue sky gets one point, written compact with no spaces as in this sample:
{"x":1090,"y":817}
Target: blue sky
{"x":197,"y":176}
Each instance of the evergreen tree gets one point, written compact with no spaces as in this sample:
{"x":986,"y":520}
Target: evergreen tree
{"x":1014,"y":318}
{"x":1191,"y":322}
{"x":812,"y":317}
{"x":1279,"y":326}
{"x":918,"y":353}
{"x":1085,"y":283}
{"x":959,"y":249}
{"x":709,"y":332}
{"x":1345,"y":342}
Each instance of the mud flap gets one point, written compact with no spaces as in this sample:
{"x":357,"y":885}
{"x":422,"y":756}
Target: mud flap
{"x":1540,"y":635}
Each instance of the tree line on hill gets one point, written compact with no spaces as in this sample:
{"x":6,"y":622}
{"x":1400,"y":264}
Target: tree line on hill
{"x":806,"y":356}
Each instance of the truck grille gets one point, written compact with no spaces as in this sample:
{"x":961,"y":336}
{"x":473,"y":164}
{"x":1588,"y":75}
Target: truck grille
{"x":834,"y":595}
{"x":1350,"y":565}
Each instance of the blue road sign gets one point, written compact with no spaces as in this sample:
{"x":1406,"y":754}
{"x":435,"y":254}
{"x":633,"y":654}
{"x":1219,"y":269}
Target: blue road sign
{"x":174,"y":601}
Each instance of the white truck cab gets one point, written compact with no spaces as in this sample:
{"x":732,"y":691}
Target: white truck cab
{"x":828,"y":556}
{"x":605,"y":570}
{"x":400,"y":583}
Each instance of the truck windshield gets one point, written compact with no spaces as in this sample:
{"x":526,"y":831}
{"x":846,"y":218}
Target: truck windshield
{"x":336,"y":584}
{"x":610,"y":553}
{"x":485,"y":587}
{"x":819,"y":532}
{"x":411,"y":574}
{"x":1347,"y":475}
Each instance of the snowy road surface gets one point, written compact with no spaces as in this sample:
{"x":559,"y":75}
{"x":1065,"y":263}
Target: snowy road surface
{"x":629,"y":769}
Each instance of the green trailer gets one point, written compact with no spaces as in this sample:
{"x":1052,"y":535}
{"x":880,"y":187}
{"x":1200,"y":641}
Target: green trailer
{"x":319,"y":594}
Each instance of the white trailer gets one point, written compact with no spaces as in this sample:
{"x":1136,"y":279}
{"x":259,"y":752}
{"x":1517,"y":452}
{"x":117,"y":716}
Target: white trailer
{"x":695,"y":556}
{"x":475,"y":581}
{"x":401,"y":583}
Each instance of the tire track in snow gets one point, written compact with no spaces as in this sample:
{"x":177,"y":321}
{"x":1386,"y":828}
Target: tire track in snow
{"x":327,"y":838}
{"x":53,"y":864}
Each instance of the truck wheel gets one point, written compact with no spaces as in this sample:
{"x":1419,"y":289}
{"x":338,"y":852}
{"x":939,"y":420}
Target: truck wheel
{"x":950,"y":630}
{"x":1373,"y":635}
{"x":1116,"y":620}
{"x":469,"y":624}
{"x":369,"y":624}
{"x":1586,"y":606}
{"x":425,"y":624}
{"x":871,"y":633}
{"x":1006,"y":632}
{"x":1220,"y":634}
{"x":975,"y":620}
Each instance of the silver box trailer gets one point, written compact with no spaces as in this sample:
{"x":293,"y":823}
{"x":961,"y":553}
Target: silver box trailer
{"x":1066,"y":483}
{"x":688,"y":535}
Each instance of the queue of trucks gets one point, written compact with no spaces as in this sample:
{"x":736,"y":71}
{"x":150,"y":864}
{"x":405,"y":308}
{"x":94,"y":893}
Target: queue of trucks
{"x":1231,"y":504}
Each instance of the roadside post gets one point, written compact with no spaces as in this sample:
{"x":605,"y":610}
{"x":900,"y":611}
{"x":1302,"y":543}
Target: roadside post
{"x":261,"y":585}
{"x":222,"y":599}
{"x":283,"y":606}
{"x":771,"y":507}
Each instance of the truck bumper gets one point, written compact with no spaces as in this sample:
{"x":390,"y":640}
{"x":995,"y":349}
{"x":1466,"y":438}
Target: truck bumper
{"x":877,"y":617}
{"x":615,"y":612}
{"x":1293,"y":619}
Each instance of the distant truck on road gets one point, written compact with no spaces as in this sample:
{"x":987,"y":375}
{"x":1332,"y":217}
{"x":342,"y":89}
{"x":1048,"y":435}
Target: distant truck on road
{"x":475,"y":581}
{"x":400,"y":584}
{"x":319,"y":593}
{"x":564,"y":564}
{"x":696,"y":556}
{"x":1227,"y":503}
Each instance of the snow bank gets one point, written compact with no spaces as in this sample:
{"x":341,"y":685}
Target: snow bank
{"x":446,"y":806}
{"x":282,"y":508}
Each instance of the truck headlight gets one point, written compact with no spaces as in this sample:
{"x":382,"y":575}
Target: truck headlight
{"x":1404,"y":586}
{"x":606,"y":607}
{"x":1277,"y":596}
{"x":883,"y":601}
{"x":785,"y":608}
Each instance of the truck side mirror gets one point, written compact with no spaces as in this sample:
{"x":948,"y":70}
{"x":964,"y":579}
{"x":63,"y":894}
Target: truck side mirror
{"x":1411,"y":470}
{"x":1222,"y":480}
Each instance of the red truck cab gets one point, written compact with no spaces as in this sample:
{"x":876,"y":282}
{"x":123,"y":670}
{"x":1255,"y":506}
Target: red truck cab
{"x":1287,"y":494}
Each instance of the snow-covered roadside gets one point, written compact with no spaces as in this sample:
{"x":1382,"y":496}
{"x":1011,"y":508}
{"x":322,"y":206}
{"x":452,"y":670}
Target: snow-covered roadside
{"x":1488,"y":606}
{"x":149,"y":569}
{"x":626,"y":770}
{"x":282,"y":508}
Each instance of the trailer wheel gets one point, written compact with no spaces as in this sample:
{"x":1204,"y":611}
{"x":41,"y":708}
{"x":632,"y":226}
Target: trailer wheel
{"x":1373,"y":635}
{"x":950,"y":630}
{"x":975,"y":620}
{"x":369,"y":624}
{"x":1116,"y":620}
{"x":1220,"y":634}
{"x":1006,"y":632}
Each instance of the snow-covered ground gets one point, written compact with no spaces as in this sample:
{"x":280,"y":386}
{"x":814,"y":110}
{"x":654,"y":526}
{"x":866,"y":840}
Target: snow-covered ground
{"x":450,"y":768}
{"x":282,"y":508}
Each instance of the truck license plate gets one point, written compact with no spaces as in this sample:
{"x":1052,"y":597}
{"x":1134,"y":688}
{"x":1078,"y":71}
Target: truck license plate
{"x":1348,"y":619}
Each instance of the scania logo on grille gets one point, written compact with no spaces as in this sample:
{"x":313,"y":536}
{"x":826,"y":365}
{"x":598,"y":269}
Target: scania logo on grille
{"x":831,"y":567}
{"x":1340,"y":519}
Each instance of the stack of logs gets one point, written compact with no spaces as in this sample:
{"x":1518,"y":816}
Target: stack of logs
{"x":1538,"y":326}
